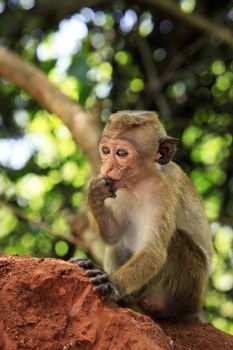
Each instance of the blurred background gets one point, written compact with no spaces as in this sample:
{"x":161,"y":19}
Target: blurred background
{"x":175,"y":57}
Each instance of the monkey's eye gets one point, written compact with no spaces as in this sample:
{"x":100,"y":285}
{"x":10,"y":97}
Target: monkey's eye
{"x":105,"y":150}
{"x":122,"y":152}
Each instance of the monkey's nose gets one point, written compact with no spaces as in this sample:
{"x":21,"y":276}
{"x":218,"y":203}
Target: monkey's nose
{"x":107,"y":171}
{"x":107,"y":168}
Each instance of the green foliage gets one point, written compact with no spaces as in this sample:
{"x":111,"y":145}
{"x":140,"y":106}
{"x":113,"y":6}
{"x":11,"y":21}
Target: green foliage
{"x":98,"y":55}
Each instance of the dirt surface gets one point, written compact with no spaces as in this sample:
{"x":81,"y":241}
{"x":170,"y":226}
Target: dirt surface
{"x":48,"y":304}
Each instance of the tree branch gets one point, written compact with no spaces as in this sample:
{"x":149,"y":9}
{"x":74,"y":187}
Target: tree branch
{"x":69,"y":238}
{"x":190,"y":50}
{"x":172,"y":68}
{"x":35,"y":83}
{"x":221,"y":32}
{"x":154,"y":84}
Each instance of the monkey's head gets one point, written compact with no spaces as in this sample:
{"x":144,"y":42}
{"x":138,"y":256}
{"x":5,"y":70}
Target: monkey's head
{"x":131,"y":143}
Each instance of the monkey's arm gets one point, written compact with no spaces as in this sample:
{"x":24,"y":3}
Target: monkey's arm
{"x":130,"y":277}
{"x":139,"y":270}
{"x":100,"y":215}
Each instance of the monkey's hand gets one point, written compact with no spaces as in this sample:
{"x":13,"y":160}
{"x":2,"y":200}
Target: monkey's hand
{"x":100,"y":189}
{"x":101,"y":280}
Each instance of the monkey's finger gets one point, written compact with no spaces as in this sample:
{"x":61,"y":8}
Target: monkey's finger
{"x":110,"y":183}
{"x":104,"y":288}
{"x":95,"y":272}
{"x":99,"y":182}
{"x":112,"y":187}
{"x":83,"y":263}
{"x":104,"y":195}
{"x":108,"y":293}
{"x":100,"y":279}
{"x":107,"y":180}
{"x":109,"y":296}
{"x":101,"y":193}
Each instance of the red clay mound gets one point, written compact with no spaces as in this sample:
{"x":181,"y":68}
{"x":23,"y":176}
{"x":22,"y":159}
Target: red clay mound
{"x":48,"y":304}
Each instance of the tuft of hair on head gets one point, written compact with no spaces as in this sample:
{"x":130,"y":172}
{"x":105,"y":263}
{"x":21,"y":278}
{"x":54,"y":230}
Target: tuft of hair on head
{"x":130,"y":119}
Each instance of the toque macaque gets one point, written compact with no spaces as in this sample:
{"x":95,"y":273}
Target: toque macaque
{"x":158,"y":243}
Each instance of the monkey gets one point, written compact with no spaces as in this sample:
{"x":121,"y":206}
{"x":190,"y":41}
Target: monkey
{"x":158,"y":246}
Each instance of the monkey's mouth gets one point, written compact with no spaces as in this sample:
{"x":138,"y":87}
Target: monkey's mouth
{"x":110,"y":178}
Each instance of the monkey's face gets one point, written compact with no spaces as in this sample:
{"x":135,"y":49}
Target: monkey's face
{"x":121,"y":160}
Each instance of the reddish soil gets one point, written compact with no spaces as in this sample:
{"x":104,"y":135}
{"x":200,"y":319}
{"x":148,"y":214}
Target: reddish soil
{"x":48,"y":304}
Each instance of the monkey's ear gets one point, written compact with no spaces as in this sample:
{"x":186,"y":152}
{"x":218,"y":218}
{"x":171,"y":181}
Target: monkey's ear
{"x":167,"y":147}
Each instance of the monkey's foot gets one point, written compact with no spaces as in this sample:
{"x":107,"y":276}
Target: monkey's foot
{"x":101,"y":280}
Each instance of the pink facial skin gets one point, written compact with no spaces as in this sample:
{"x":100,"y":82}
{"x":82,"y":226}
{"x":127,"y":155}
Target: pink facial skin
{"x":118,"y":157}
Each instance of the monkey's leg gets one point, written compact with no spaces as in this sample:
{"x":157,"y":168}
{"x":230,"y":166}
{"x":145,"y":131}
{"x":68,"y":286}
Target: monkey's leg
{"x":182,"y":280}
{"x":187,"y":300}
{"x":101,"y":280}
{"x":165,"y":303}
